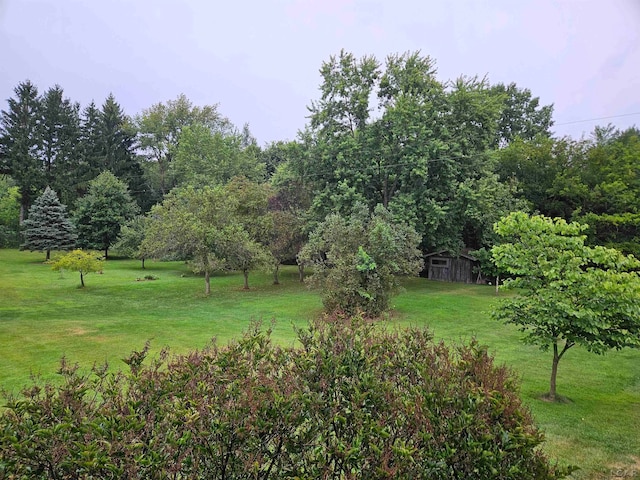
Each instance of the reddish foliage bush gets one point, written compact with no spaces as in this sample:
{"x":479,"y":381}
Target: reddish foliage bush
{"x":350,"y":402}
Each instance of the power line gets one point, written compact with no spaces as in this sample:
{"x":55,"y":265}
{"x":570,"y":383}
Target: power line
{"x":596,"y":119}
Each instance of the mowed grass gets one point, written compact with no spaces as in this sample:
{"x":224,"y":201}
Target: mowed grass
{"x":44,"y":315}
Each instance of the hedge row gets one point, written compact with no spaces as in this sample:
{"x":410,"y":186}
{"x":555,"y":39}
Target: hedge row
{"x":350,"y":401}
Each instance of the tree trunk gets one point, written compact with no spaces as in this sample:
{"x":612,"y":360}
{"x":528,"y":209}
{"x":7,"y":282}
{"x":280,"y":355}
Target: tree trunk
{"x":246,"y":279}
{"x":554,"y":367}
{"x":81,"y":279}
{"x":207,"y":283}
{"x":48,"y":256}
{"x":143,"y":263}
{"x":385,"y":195}
{"x":24,"y":204}
{"x":276,"y":280}
{"x":301,"y":273}
{"x":106,"y":253}
{"x":554,"y":372}
{"x":497,"y":284}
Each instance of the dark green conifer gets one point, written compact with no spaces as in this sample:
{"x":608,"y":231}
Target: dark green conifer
{"x":20,"y":143}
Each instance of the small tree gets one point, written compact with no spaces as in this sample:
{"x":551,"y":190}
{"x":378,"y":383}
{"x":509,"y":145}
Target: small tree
{"x":79,"y":261}
{"x":487,"y":267}
{"x":9,"y":213}
{"x":101,"y":213}
{"x":244,"y":254}
{"x":131,"y":237}
{"x":286,"y":239}
{"x":357,"y":259}
{"x":569,"y":294}
{"x":48,"y":227}
{"x":201,"y":226}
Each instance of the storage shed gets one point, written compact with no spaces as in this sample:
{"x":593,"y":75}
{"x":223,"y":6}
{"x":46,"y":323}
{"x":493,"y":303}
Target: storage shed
{"x":445,"y":267}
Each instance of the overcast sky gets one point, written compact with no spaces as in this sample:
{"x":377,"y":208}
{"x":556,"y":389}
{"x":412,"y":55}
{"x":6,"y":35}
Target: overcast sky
{"x":259,"y":60}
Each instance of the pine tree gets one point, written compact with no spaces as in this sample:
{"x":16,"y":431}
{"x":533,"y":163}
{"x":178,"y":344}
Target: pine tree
{"x":20,"y":142}
{"x":117,"y":144}
{"x":91,"y":162}
{"x":60,"y":137}
{"x":48,"y":227}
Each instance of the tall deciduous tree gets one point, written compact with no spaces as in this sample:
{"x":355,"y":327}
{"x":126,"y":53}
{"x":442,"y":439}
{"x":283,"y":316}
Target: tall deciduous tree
{"x":160,"y":128}
{"x":521,"y":116}
{"x":207,"y":157}
{"x":357,"y":259}
{"x":48,"y":227}
{"x":100,"y":214}
{"x":608,"y":180}
{"x":20,"y":143}
{"x":543,"y":172}
{"x":569,"y":294}
{"x":412,"y":152}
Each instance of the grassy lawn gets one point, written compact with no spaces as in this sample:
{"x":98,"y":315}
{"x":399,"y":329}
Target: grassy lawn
{"x":43,"y":316}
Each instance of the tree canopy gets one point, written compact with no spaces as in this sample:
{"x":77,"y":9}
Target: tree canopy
{"x":448,"y":157}
{"x":160,"y":129}
{"x":395,"y":135}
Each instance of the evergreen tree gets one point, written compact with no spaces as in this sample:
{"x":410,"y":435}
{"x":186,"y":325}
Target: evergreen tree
{"x":19,"y":141}
{"x":101,"y":213}
{"x":48,"y":227}
{"x":107,"y":139}
{"x":90,"y":136}
{"x":60,"y":134}
{"x":116,"y":142}
{"x":90,"y":150}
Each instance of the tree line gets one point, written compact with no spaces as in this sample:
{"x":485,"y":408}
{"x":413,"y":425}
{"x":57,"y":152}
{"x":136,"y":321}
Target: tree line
{"x":445,"y":160}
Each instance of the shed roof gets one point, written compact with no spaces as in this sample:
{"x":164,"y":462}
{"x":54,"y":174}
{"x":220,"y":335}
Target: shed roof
{"x":445,"y":252}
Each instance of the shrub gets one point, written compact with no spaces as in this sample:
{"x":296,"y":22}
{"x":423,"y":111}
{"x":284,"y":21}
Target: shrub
{"x":350,"y":402}
{"x":357,"y":259}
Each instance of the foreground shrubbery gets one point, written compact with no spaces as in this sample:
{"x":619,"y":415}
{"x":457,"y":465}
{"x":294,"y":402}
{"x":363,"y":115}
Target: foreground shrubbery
{"x":350,"y":402}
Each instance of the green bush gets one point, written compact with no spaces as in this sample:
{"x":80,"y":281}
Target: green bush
{"x":358,"y":259}
{"x":9,"y":238}
{"x":350,"y":402}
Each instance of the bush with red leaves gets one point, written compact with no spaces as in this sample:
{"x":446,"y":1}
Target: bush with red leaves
{"x":351,"y":401}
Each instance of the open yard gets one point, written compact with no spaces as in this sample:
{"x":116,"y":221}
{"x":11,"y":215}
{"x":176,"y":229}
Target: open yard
{"x":44,"y":315}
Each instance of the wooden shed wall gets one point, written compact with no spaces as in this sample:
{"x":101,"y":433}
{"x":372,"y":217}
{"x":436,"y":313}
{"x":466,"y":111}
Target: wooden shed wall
{"x":451,"y":269}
